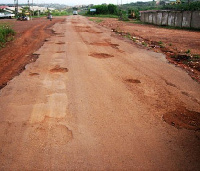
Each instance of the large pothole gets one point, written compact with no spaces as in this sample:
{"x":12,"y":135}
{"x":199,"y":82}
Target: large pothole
{"x":57,"y":68}
{"x":183,"y":118}
{"x":101,"y":55}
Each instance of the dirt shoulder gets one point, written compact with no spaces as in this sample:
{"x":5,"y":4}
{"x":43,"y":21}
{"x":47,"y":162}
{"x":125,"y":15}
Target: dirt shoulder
{"x":180,"y":46}
{"x":30,"y":35}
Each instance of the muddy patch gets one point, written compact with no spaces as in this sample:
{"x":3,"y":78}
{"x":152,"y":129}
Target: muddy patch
{"x":101,"y":55}
{"x":183,"y":118}
{"x":57,"y":68}
{"x":134,"y":81}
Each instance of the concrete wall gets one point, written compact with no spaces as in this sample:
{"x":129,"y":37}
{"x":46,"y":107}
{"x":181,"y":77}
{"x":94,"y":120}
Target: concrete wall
{"x":146,"y":18}
{"x":195,"y":23}
{"x":172,"y":18}
{"x":159,"y":18}
{"x":151,"y":18}
{"x":165,"y":18}
{"x":142,"y":17}
{"x":154,"y":18}
{"x":186,"y":19}
{"x":178,"y":19}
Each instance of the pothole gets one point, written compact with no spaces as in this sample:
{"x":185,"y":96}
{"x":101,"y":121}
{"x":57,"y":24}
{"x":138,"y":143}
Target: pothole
{"x":60,"y":43}
{"x":101,"y":55}
{"x":55,"y":134}
{"x":105,"y":44}
{"x":183,"y":118}
{"x":33,"y":74}
{"x":60,"y":52}
{"x":133,"y":81}
{"x":57,"y":68}
{"x":170,"y":84}
{"x":86,"y":29}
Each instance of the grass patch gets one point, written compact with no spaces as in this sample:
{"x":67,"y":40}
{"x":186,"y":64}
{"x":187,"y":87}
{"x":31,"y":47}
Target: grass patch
{"x":134,"y":21}
{"x":6,"y":34}
{"x":103,"y":16}
{"x":196,"y":56}
{"x":161,"y":44}
{"x":144,"y":44}
{"x":188,"y":51}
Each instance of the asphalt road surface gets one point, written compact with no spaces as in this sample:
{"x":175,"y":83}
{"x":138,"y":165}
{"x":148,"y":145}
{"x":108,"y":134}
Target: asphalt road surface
{"x":95,"y":102}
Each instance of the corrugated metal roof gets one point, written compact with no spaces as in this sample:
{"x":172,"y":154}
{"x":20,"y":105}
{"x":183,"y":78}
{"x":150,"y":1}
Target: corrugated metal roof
{"x":3,"y":7}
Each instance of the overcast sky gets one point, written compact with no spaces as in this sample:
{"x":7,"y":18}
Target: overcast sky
{"x":73,"y":2}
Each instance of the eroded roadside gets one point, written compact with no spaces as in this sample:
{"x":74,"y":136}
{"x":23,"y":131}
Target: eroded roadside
{"x":30,"y":36}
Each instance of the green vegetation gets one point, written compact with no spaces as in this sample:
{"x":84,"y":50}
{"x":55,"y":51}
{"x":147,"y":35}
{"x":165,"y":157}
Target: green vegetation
{"x":59,"y":13}
{"x":193,"y":6}
{"x":123,"y":16}
{"x":6,"y":34}
{"x":104,"y":9}
{"x":96,"y":20}
{"x":188,"y":51}
{"x":144,"y":44}
{"x":103,"y":16}
{"x":196,"y":56}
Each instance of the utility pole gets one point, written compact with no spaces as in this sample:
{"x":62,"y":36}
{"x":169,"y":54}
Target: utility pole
{"x":29,"y":10}
{"x":16,"y":7}
{"x":32,"y":9}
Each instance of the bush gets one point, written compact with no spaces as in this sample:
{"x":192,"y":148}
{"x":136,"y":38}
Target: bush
{"x":59,"y":13}
{"x":193,"y":6}
{"x":105,"y":9}
{"x":134,"y":13}
{"x":123,"y":16}
{"x":6,"y":32}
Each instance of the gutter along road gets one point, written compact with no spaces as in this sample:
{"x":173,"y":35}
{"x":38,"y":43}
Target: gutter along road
{"x":92,"y":101}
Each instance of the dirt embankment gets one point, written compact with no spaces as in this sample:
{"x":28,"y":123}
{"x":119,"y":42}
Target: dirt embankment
{"x":180,"y":46}
{"x":30,"y":35}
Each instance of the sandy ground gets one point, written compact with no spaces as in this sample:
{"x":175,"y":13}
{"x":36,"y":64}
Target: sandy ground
{"x":92,"y":101}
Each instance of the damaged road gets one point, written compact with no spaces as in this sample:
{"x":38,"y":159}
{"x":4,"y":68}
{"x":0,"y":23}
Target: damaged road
{"x":94,"y":102}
